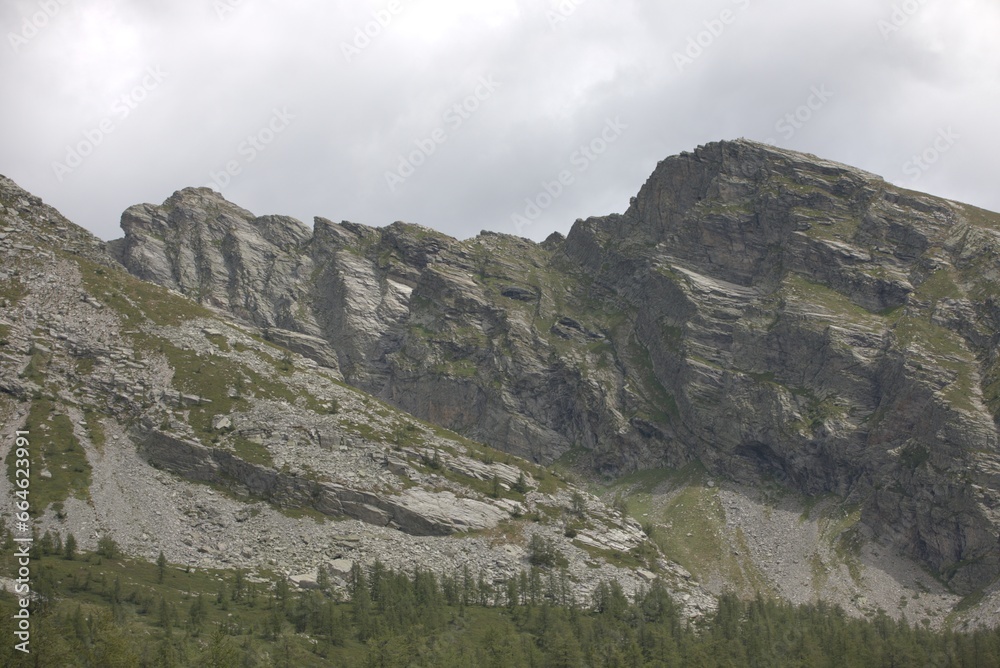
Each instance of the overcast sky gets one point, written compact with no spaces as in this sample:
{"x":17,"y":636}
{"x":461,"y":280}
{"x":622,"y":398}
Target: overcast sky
{"x":459,"y":115}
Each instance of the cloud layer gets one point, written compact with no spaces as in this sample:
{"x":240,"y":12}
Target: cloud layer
{"x":506,"y":115}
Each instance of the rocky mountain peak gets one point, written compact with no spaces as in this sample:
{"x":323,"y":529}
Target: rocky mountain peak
{"x":186,"y":431}
{"x":763,"y":314}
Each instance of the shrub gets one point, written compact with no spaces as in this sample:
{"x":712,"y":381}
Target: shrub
{"x":107,"y":547}
{"x":542,"y":552}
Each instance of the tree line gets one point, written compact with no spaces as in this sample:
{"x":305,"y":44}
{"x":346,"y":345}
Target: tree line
{"x":101,"y":610}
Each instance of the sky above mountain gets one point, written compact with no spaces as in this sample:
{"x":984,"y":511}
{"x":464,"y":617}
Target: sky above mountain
{"x":506,"y":115}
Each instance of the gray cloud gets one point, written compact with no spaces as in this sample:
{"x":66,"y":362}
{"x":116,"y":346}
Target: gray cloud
{"x":897,"y":73}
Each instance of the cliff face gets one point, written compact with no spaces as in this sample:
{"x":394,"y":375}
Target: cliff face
{"x":175,"y":428}
{"x":818,"y":325}
{"x":767,"y":313}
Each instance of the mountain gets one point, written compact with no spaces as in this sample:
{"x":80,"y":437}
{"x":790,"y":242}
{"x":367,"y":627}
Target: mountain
{"x":785,"y":369}
{"x":175,"y":429}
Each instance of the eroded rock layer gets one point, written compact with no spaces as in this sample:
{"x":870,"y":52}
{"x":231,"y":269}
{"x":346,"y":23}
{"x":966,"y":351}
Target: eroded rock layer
{"x":767,"y":313}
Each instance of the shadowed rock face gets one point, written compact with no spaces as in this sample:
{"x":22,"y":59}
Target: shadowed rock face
{"x":766,"y":312}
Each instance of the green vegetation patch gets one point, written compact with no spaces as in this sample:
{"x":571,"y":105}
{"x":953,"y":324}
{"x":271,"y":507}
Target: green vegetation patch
{"x":817,"y":411}
{"x":835,"y":305}
{"x":457,"y":368}
{"x":694,"y":538}
{"x":100,"y":610}
{"x":212,"y":377}
{"x":939,"y":285}
{"x":827,"y":227}
{"x":727,"y":210}
{"x":12,"y":290}
{"x":35,"y":369}
{"x":135,"y":299}
{"x":684,"y":517}
{"x":638,"y":490}
{"x":980,"y":217}
{"x":95,"y":429}
{"x":56,"y":451}
{"x":839,"y":527}
{"x":220,"y":342}
{"x":663,"y":404}
{"x":643,"y":556}
{"x":939,"y":346}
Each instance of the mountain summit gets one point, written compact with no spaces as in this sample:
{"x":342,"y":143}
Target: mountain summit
{"x":763,"y":335}
{"x":762,"y":311}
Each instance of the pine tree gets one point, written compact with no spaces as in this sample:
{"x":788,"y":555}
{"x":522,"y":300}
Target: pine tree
{"x":69,"y":548}
{"x":107,"y":547}
{"x":166,"y":654}
{"x":221,"y":652}
{"x":521,"y":486}
{"x":165,"y":616}
{"x":196,"y":614}
{"x":79,"y":626}
{"x":222,"y":597}
{"x":512,"y":594}
{"x":239,"y":585}
{"x":323,"y":579}
{"x":281,"y":592}
{"x":361,"y":603}
{"x":45,"y":544}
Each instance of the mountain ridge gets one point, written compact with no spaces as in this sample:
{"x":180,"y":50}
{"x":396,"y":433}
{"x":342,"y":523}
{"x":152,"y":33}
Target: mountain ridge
{"x":763,"y":316}
{"x":715,"y":240}
{"x":173,"y":429}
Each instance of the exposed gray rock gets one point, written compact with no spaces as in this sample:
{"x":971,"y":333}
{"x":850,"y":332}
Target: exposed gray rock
{"x":415,"y":511}
{"x":220,"y":422}
{"x":313,"y":347}
{"x":305,"y":580}
{"x":771,"y":315}
{"x":763,"y":311}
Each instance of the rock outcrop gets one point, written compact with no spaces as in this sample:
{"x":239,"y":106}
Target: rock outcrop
{"x":764,"y":319}
{"x":767,"y":313}
{"x":223,"y":443}
{"x":415,"y":511}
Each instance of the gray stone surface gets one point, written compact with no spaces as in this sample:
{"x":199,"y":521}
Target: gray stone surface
{"x":765,"y":312}
{"x":773,"y":317}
